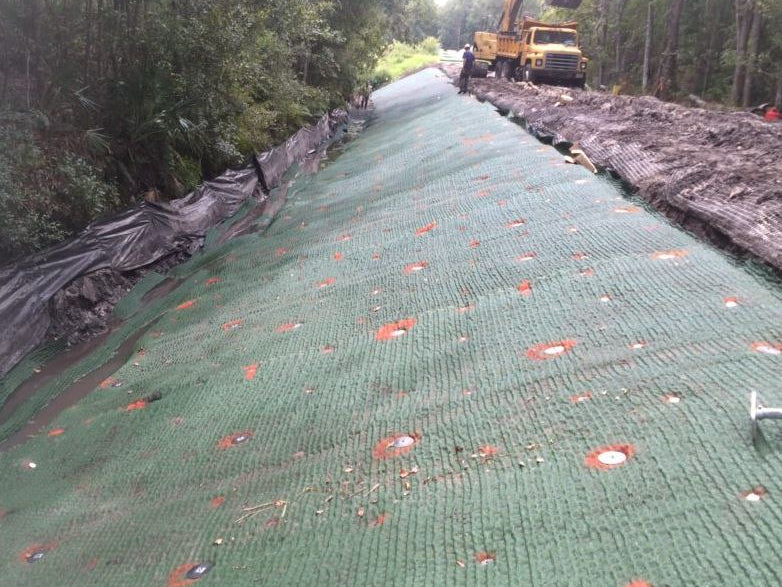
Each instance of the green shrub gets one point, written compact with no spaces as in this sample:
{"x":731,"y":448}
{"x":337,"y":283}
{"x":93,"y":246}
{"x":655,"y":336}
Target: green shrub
{"x":44,"y":198}
{"x":83,"y":193}
{"x":380,"y":76}
{"x":254,"y":128}
{"x":430,"y":45}
{"x":187,"y":173}
{"x":401,"y":58}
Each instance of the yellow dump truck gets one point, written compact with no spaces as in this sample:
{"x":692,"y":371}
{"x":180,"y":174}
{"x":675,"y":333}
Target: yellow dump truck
{"x":531,"y":50}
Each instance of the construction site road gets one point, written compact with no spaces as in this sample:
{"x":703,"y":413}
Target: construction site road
{"x":717,"y":173}
{"x":451,"y":359}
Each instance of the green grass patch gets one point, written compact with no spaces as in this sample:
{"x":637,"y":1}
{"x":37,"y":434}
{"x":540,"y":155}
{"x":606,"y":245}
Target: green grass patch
{"x":402,"y":58}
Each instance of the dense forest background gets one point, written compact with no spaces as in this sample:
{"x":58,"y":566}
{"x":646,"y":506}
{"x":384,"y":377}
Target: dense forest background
{"x":727,"y":51}
{"x":103,"y":102}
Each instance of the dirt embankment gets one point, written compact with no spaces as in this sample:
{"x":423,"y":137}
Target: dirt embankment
{"x":718,"y":174}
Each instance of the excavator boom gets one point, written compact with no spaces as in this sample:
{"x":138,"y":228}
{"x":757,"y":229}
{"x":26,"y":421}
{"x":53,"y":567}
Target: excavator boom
{"x":564,"y":3}
{"x":510,"y":12}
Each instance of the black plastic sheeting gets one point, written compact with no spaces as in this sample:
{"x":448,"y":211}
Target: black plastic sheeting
{"x":138,"y":237}
{"x":547,"y":136}
{"x":273,"y":164}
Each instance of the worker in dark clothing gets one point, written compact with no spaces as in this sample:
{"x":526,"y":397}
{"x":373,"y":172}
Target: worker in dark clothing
{"x":468,"y":60}
{"x":366,"y":90}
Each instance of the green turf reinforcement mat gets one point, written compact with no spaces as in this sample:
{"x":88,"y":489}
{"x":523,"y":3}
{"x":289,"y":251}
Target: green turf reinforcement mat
{"x":573,"y":373}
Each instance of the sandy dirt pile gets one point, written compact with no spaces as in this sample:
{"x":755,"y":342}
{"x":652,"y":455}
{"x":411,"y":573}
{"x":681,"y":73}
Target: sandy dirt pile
{"x":719,"y":174}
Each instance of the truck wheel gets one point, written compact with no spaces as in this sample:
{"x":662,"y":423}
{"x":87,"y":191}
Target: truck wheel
{"x":527,"y":76}
{"x":505,"y":70}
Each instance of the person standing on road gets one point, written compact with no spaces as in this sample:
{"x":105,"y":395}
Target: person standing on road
{"x":366,"y":91}
{"x":468,"y":60}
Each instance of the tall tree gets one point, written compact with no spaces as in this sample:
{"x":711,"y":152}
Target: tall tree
{"x":751,"y":55}
{"x":602,"y":35}
{"x":666,"y":79}
{"x":772,"y":34}
{"x":647,"y":47}
{"x":743,"y":14}
{"x":619,"y":44}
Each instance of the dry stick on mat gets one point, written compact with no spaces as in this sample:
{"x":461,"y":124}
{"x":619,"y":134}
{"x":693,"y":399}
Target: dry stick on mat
{"x":257,"y":509}
{"x":371,"y":489}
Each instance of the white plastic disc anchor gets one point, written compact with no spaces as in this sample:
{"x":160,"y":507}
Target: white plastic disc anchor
{"x":198,"y":571}
{"x":612,"y":457}
{"x":403,"y":441}
{"x":554,"y":350}
{"x":768,"y":350}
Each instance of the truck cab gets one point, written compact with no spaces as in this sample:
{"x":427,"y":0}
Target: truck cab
{"x":551,"y":53}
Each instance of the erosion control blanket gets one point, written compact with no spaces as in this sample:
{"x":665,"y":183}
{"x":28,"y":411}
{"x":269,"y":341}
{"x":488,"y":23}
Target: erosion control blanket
{"x":452,"y":360}
{"x":136,"y":238}
{"x":716,"y":173}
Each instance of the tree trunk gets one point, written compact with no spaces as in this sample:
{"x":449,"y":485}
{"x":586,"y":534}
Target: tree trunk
{"x":714,"y":27}
{"x":778,"y":99}
{"x":743,"y":21}
{"x":602,"y":40}
{"x":752,"y":56}
{"x":88,"y":19}
{"x":619,"y":69}
{"x":647,"y":48}
{"x":27,"y":69}
{"x":4,"y":90}
{"x":666,"y":79}
{"x":35,"y":80}
{"x":99,"y":42}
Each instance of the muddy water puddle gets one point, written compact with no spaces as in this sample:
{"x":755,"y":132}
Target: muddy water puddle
{"x":75,"y":392}
{"x":162,"y":289}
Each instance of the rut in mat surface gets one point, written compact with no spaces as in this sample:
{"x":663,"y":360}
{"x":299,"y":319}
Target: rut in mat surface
{"x":453,"y":359}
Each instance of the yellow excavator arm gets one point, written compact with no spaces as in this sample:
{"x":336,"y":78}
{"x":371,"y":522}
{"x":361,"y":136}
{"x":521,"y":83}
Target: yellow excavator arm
{"x":510,"y":12}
